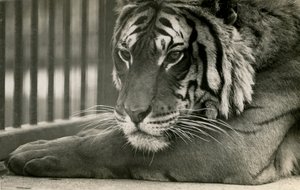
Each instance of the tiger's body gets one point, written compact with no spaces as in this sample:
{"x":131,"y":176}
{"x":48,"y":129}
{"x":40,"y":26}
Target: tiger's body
{"x":182,"y":68}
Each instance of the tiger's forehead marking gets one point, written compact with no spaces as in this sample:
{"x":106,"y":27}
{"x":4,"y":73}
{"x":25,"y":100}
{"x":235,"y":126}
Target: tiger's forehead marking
{"x":169,"y":29}
{"x":134,"y":27}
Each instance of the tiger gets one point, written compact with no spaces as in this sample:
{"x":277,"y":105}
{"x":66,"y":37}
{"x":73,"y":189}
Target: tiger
{"x":208,"y":92}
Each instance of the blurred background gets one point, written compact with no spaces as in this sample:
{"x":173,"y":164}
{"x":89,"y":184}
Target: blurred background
{"x":55,"y":58}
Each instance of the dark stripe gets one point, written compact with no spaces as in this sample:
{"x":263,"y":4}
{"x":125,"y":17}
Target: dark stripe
{"x":203,"y":56}
{"x":163,"y":44}
{"x":34,"y":63}
{"x":180,"y":70}
{"x":171,"y":79}
{"x":18,"y":73}
{"x":122,"y":20}
{"x":191,"y":84}
{"x":124,"y":16}
{"x":194,"y":34}
{"x":175,"y":45}
{"x":51,"y":59}
{"x":166,"y":22}
{"x":295,"y":111}
{"x":142,"y":8}
{"x":179,"y":96}
{"x":252,"y":107}
{"x":137,"y":30}
{"x":218,"y":43}
{"x":169,"y":11}
{"x":84,"y":44}
{"x":171,"y":42}
{"x":67,"y":56}
{"x":2,"y":64}
{"x":163,"y":32}
{"x":140,"y":20}
{"x":181,"y":34}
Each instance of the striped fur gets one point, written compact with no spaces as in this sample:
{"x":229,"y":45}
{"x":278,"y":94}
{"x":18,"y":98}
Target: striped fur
{"x":216,"y":72}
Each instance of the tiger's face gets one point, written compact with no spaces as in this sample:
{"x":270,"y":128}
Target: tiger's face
{"x":165,"y":66}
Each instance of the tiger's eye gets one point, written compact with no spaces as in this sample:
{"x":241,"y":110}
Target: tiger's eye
{"x":125,"y":55}
{"x":174,"y":57}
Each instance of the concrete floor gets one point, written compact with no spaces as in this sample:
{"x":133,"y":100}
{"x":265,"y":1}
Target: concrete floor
{"x":17,"y":183}
{"x":9,"y":182}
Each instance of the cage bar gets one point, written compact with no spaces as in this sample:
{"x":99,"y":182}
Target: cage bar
{"x":102,"y":31}
{"x":18,"y":70}
{"x":84,"y":45}
{"x":67,"y":56}
{"x":2,"y":65}
{"x":33,"y":117}
{"x":51,"y":59}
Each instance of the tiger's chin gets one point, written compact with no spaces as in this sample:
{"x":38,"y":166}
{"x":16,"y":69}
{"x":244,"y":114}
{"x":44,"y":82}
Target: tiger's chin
{"x":146,"y":142}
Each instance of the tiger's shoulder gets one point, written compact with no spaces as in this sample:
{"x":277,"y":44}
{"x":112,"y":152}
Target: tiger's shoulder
{"x":272,"y":29}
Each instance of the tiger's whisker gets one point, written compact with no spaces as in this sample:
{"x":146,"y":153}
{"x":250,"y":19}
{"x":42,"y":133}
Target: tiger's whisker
{"x":194,"y":110}
{"x":185,"y":134}
{"x":99,"y":122}
{"x":221,"y":122}
{"x":101,"y":106}
{"x":203,"y":124}
{"x":106,"y":106}
{"x":178,"y":134}
{"x":202,"y":132}
{"x":209,"y":126}
{"x":191,"y":123}
{"x":193,"y":128}
{"x":92,"y":109}
{"x":217,"y":121}
{"x":187,"y":130}
{"x":90,"y":112}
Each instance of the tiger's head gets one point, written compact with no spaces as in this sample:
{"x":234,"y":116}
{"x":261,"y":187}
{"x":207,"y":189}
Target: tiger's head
{"x":171,"y":59}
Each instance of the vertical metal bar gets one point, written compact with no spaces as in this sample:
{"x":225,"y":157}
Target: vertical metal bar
{"x":51,"y":58}
{"x":67,"y":56}
{"x":84,"y":37}
{"x":102,"y":34}
{"x":33,"y":63}
{"x":2,"y":65}
{"x":18,"y":73}
{"x":109,"y":93}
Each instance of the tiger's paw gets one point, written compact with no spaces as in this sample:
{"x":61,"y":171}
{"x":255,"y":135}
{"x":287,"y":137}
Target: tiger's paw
{"x":211,"y":110}
{"x":43,"y":159}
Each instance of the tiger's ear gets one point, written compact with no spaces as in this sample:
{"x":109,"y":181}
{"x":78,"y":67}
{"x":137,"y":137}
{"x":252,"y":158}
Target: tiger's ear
{"x":225,"y":9}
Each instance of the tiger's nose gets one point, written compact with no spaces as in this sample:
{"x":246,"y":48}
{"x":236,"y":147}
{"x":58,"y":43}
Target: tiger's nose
{"x":138,"y":115}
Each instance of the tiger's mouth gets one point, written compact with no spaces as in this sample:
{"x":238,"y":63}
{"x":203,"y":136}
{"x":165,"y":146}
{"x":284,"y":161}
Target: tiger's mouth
{"x":152,"y":134}
{"x":144,"y":141}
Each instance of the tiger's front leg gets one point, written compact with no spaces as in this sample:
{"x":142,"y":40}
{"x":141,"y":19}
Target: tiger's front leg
{"x":110,"y":156}
{"x":66,"y":157}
